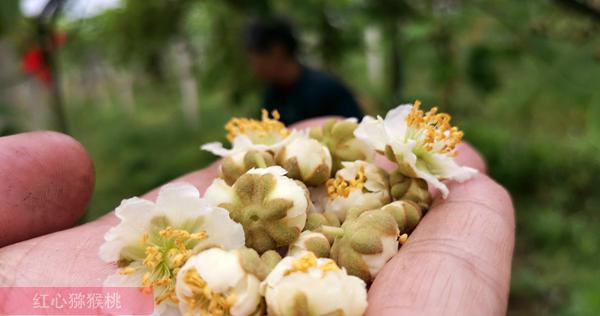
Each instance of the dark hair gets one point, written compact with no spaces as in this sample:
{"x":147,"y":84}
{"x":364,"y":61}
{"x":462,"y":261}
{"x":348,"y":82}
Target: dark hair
{"x":262,"y":34}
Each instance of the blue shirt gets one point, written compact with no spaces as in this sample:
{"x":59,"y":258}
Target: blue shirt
{"x":314,"y":94}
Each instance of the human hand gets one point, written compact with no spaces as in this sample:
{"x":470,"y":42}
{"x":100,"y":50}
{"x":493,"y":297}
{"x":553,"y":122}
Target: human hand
{"x":456,"y":262}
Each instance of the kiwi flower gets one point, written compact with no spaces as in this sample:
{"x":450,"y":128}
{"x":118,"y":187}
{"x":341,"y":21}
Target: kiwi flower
{"x":154,"y":239}
{"x":306,"y":285}
{"x":250,"y":134}
{"x":305,"y":159}
{"x":270,"y":206}
{"x":311,"y":241}
{"x":422,"y":144}
{"x":359,"y":185}
{"x":221,"y":282}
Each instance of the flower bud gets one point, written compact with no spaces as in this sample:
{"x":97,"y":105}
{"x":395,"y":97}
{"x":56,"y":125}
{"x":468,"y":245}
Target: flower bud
{"x":406,"y":213}
{"x":270,"y":206}
{"x":358,"y":185}
{"x":305,"y":159}
{"x":306,"y":285}
{"x":314,"y":242}
{"x":270,"y":258}
{"x":366,"y":241}
{"x":236,"y":165}
{"x":411,"y":189}
{"x":220,"y":282}
{"x":314,"y":221}
{"x":339,"y":138}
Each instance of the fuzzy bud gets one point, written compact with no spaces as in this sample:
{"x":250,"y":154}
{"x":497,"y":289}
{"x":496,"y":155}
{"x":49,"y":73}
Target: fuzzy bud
{"x":236,"y":165}
{"x":270,"y":206}
{"x":366,"y":241}
{"x":305,"y":159}
{"x":406,"y":213}
{"x":270,"y":258}
{"x":339,"y":137}
{"x":412,"y":189}
{"x":314,"y":242}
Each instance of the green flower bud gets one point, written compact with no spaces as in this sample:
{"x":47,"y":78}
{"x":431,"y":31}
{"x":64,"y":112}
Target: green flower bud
{"x":365,"y":242}
{"x":406,"y":213}
{"x":305,"y":159}
{"x":411,"y":189}
{"x":235,"y":166}
{"x":270,"y":206}
{"x":314,"y":242}
{"x":338,"y":136}
{"x":270,"y":258}
{"x":314,"y":221}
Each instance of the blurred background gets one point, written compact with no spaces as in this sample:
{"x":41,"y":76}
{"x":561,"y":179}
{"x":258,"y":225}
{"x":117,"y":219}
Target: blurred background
{"x":142,"y":84}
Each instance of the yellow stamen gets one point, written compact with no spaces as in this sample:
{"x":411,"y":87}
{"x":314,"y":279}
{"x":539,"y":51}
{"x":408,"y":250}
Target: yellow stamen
{"x":164,"y":259}
{"x":303,"y":264}
{"x":329,"y":266}
{"x":438,"y":134}
{"x":403,"y":238}
{"x":340,"y":187}
{"x":309,"y":261}
{"x":127,"y":270}
{"x":261,"y":129}
{"x":203,"y":298}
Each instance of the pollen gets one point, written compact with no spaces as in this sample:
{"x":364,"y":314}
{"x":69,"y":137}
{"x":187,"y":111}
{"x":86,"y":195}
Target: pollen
{"x":261,"y":131}
{"x":329,"y":266}
{"x":165,"y":253}
{"x":403,"y":238}
{"x":309,"y":261}
{"x":203,"y":298}
{"x":433,"y":130}
{"x":339,"y":187}
{"x":303,"y":264}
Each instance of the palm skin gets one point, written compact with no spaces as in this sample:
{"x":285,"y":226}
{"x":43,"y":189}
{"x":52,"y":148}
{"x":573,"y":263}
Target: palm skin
{"x":456,"y":262}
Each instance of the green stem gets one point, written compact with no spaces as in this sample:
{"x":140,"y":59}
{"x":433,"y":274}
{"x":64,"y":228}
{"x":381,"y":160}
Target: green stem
{"x":260,"y":160}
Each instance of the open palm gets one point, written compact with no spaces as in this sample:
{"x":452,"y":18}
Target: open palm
{"x":456,"y":262}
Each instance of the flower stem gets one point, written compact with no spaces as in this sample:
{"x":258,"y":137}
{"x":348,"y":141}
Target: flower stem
{"x":260,"y":160}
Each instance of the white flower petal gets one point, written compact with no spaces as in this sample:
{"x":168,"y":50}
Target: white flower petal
{"x":326,"y":292}
{"x":218,"y":192}
{"x":395,"y":121}
{"x":222,"y":230}
{"x":223,"y":274}
{"x":372,"y":131}
{"x":179,"y":202}
{"x":376,"y":262}
{"x":276,"y":170}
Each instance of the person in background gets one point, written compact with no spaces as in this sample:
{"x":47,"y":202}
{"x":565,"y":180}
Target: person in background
{"x":297,"y":91}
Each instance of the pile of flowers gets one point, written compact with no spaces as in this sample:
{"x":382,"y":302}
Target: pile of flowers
{"x":298,"y":222}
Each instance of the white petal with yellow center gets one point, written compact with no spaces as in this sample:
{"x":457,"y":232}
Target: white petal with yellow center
{"x":327,"y":289}
{"x":213,"y":282}
{"x":358,"y":185}
{"x":153,"y":240}
{"x":249,"y":134}
{"x":423,"y":143}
